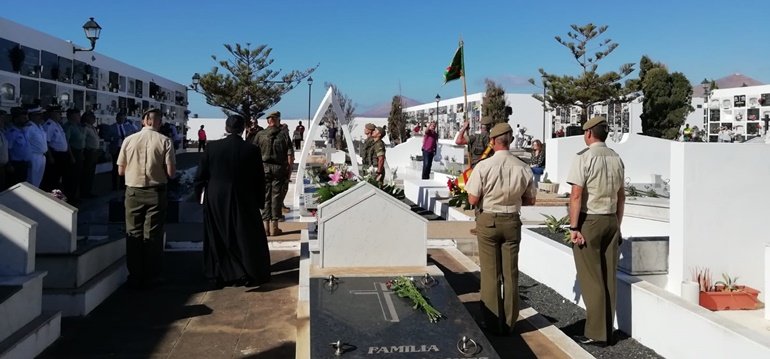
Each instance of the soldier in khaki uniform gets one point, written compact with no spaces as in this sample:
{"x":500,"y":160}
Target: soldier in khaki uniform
{"x":478,"y":143}
{"x":366,"y":146}
{"x":596,"y":211}
{"x":499,"y":186}
{"x":377,"y":154}
{"x":147,"y":160}
{"x":277,"y":159}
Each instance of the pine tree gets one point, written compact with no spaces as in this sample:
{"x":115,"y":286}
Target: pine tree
{"x":396,"y":120}
{"x":589,"y":87}
{"x":244,"y":84}
{"x":493,"y":103}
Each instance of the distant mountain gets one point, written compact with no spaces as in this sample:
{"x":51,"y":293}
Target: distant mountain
{"x":383,"y":109}
{"x":730,"y":81}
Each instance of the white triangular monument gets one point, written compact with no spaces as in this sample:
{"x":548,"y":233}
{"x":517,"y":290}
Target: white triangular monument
{"x":315,"y":126}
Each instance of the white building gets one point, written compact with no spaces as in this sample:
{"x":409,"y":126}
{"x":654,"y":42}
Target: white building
{"x":527,"y":113}
{"x":35,"y":66}
{"x":743,"y":110}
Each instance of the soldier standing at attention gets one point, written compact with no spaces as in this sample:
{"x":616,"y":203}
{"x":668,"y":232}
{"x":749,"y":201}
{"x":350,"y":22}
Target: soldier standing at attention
{"x":499,"y":186}
{"x":366,"y":158}
{"x":377,"y":154}
{"x":147,"y":160}
{"x":277,"y":159}
{"x":596,"y":210}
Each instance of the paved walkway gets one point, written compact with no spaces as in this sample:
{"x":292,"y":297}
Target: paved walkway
{"x":186,"y":318}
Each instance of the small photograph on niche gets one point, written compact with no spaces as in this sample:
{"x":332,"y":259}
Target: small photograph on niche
{"x":752,"y":128}
{"x":753,"y":101}
{"x":752,"y":114}
{"x":726,"y":103}
{"x":739,"y":101}
{"x":739,"y":129}
{"x":460,"y":107}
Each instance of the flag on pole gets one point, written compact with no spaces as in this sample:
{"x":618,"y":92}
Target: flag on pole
{"x":455,"y":69}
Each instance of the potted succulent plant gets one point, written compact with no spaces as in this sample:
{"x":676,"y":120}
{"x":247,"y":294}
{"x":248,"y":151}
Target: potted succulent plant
{"x":725,"y":294}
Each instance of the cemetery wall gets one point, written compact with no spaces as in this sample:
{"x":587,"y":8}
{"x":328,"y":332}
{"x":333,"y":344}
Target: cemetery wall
{"x":643,"y":156}
{"x":718,"y":211}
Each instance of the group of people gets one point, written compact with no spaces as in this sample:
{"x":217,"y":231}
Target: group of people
{"x":50,"y":151}
{"x":373,"y":151}
{"x":500,"y":184}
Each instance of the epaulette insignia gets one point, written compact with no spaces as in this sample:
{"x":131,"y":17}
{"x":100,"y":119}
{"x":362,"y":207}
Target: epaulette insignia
{"x":583,"y":151}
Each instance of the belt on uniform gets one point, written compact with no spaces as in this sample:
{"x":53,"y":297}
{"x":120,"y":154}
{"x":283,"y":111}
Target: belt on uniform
{"x":500,"y":214}
{"x":158,"y":187}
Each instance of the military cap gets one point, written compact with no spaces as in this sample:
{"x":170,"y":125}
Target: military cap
{"x":53,"y":108}
{"x":486,"y":120}
{"x":500,"y":129}
{"x":370,"y":126}
{"x":276,"y":114}
{"x":593,"y":122}
{"x":16,"y":111}
{"x":148,"y":112}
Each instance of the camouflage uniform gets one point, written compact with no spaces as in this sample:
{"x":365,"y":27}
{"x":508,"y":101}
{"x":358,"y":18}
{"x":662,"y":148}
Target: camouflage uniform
{"x":366,"y":157}
{"x":275,"y":147}
{"x":377,"y":149}
{"x":476,"y":145}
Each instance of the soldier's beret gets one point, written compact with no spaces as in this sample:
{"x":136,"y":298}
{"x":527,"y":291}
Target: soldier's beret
{"x":486,"y":120}
{"x":370,"y":126}
{"x":276,"y":114}
{"x":593,"y":122}
{"x":500,"y":129}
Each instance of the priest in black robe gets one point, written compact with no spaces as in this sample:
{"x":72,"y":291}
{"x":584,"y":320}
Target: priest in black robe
{"x":231,"y":182}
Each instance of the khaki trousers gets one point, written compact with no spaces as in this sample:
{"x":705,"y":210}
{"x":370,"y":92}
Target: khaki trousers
{"x":275,"y":178}
{"x":596,"y":263}
{"x":499,"y":236}
{"x":145,"y":217}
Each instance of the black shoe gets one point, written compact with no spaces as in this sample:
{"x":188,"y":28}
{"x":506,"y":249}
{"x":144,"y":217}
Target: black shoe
{"x":588,"y":341}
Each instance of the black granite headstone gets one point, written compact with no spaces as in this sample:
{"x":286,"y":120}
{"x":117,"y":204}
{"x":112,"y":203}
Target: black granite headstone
{"x":370,"y":321}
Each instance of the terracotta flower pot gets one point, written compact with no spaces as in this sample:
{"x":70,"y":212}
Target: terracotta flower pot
{"x":742,"y":299}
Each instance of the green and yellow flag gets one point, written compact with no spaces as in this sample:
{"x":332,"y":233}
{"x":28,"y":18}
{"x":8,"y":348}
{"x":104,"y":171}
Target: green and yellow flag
{"x":455,"y":69}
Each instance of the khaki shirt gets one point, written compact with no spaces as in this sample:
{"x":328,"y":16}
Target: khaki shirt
{"x":601,"y":173}
{"x":92,"y":138}
{"x":145,"y":155}
{"x":501,"y":181}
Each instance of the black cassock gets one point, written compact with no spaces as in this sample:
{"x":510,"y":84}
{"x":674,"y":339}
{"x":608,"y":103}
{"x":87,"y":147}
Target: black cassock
{"x":234,"y":242}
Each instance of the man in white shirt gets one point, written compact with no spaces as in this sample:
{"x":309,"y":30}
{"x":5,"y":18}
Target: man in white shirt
{"x":38,"y":145}
{"x":58,"y":148}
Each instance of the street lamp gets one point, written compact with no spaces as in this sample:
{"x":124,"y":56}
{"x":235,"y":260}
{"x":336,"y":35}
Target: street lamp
{"x":309,"y":91}
{"x":706,"y":91}
{"x":92,"y":30}
{"x":545,"y":86}
{"x":438,"y":98}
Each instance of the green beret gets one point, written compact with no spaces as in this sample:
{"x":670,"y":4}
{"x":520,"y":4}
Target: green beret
{"x":276,"y":114}
{"x":486,"y":120}
{"x":500,"y":129}
{"x":593,"y":122}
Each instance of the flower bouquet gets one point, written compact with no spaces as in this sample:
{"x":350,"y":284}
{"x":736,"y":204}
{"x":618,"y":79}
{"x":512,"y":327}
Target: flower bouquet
{"x":404,"y":287}
{"x":333,"y":179}
{"x":457,"y":191}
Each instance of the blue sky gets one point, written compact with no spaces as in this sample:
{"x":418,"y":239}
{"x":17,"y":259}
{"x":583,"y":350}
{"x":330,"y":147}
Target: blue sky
{"x":373,"y":49}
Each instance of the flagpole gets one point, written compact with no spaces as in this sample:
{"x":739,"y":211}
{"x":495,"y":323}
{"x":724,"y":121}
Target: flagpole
{"x":465,"y":91}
